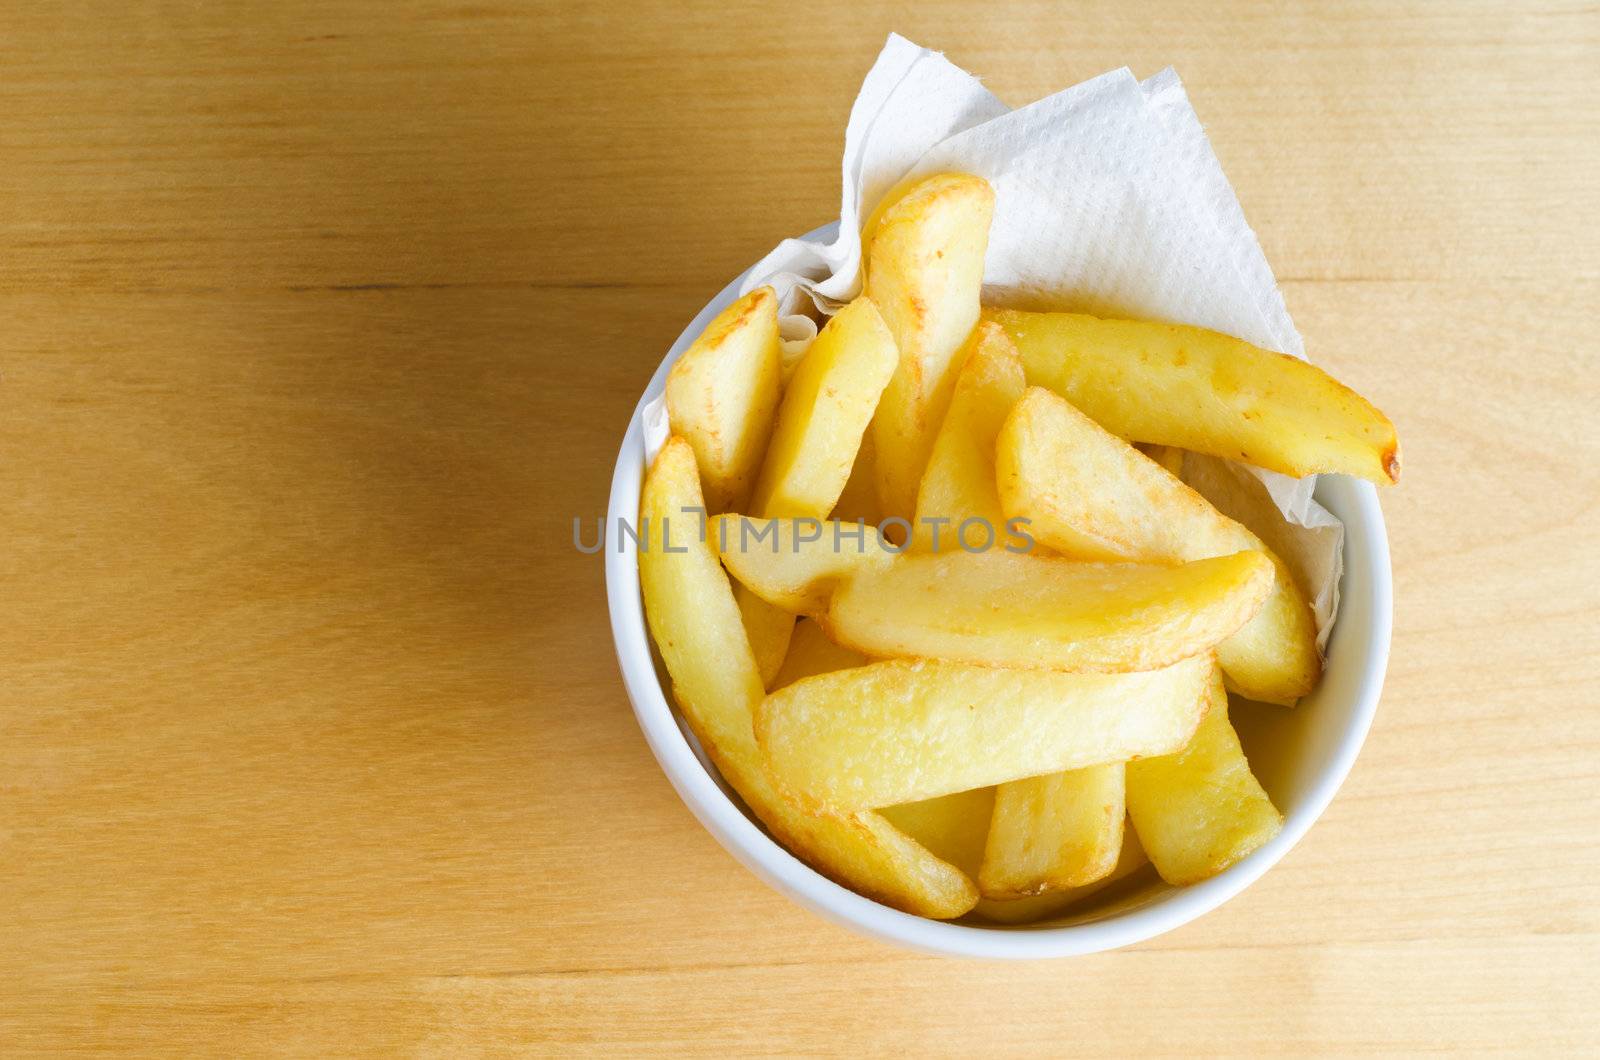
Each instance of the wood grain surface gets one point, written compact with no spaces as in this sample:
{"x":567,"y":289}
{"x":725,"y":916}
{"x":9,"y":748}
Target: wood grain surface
{"x":322,"y":321}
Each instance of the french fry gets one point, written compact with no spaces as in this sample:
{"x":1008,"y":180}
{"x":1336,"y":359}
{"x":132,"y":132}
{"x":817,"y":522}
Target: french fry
{"x":812,"y":653}
{"x":824,"y":413}
{"x":924,"y":272}
{"x":953,"y":827}
{"x":902,"y":731}
{"x":1000,"y":608}
{"x":1054,"y":832}
{"x":697,"y":628}
{"x":1201,"y":810}
{"x":796,"y":564}
{"x":1131,"y":859}
{"x":958,"y":483}
{"x":1200,"y":390}
{"x":768,"y":628}
{"x":1087,"y":493}
{"x":722,"y":395}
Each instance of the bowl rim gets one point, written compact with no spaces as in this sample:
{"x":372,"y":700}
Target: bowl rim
{"x":711,"y":803}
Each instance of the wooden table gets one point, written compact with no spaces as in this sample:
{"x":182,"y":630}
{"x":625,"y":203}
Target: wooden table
{"x":320,"y":325}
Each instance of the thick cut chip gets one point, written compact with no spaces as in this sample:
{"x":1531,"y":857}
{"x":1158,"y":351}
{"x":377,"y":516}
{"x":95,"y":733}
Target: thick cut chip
{"x":906,"y":730}
{"x":768,"y":627}
{"x":1053,"y":832}
{"x":1201,"y":810}
{"x":1200,"y":390}
{"x":1028,"y":910}
{"x":1086,"y":492}
{"x":952,"y":827}
{"x":958,"y":485}
{"x":824,"y":413}
{"x":795,"y":564}
{"x":697,"y":628}
{"x":925,"y":274}
{"x":812,"y":653}
{"x":722,"y":396}
{"x":1000,"y":608}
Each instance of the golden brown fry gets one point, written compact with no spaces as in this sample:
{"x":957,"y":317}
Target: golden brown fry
{"x":824,"y":413}
{"x":1200,"y":390}
{"x":697,"y":628}
{"x":1030,"y":910}
{"x":958,"y":484}
{"x":999,"y":608}
{"x":902,"y":731}
{"x":1086,"y":492}
{"x":924,"y":273}
{"x":768,"y":628}
{"x":1054,"y":832}
{"x":952,"y":827}
{"x":723,"y":393}
{"x":1201,"y":810}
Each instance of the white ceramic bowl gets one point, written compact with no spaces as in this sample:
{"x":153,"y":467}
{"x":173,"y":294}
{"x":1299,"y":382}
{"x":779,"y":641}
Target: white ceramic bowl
{"x":1301,"y":755}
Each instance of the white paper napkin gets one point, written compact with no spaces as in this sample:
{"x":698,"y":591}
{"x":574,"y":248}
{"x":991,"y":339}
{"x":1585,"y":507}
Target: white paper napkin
{"x":1108,"y":200}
